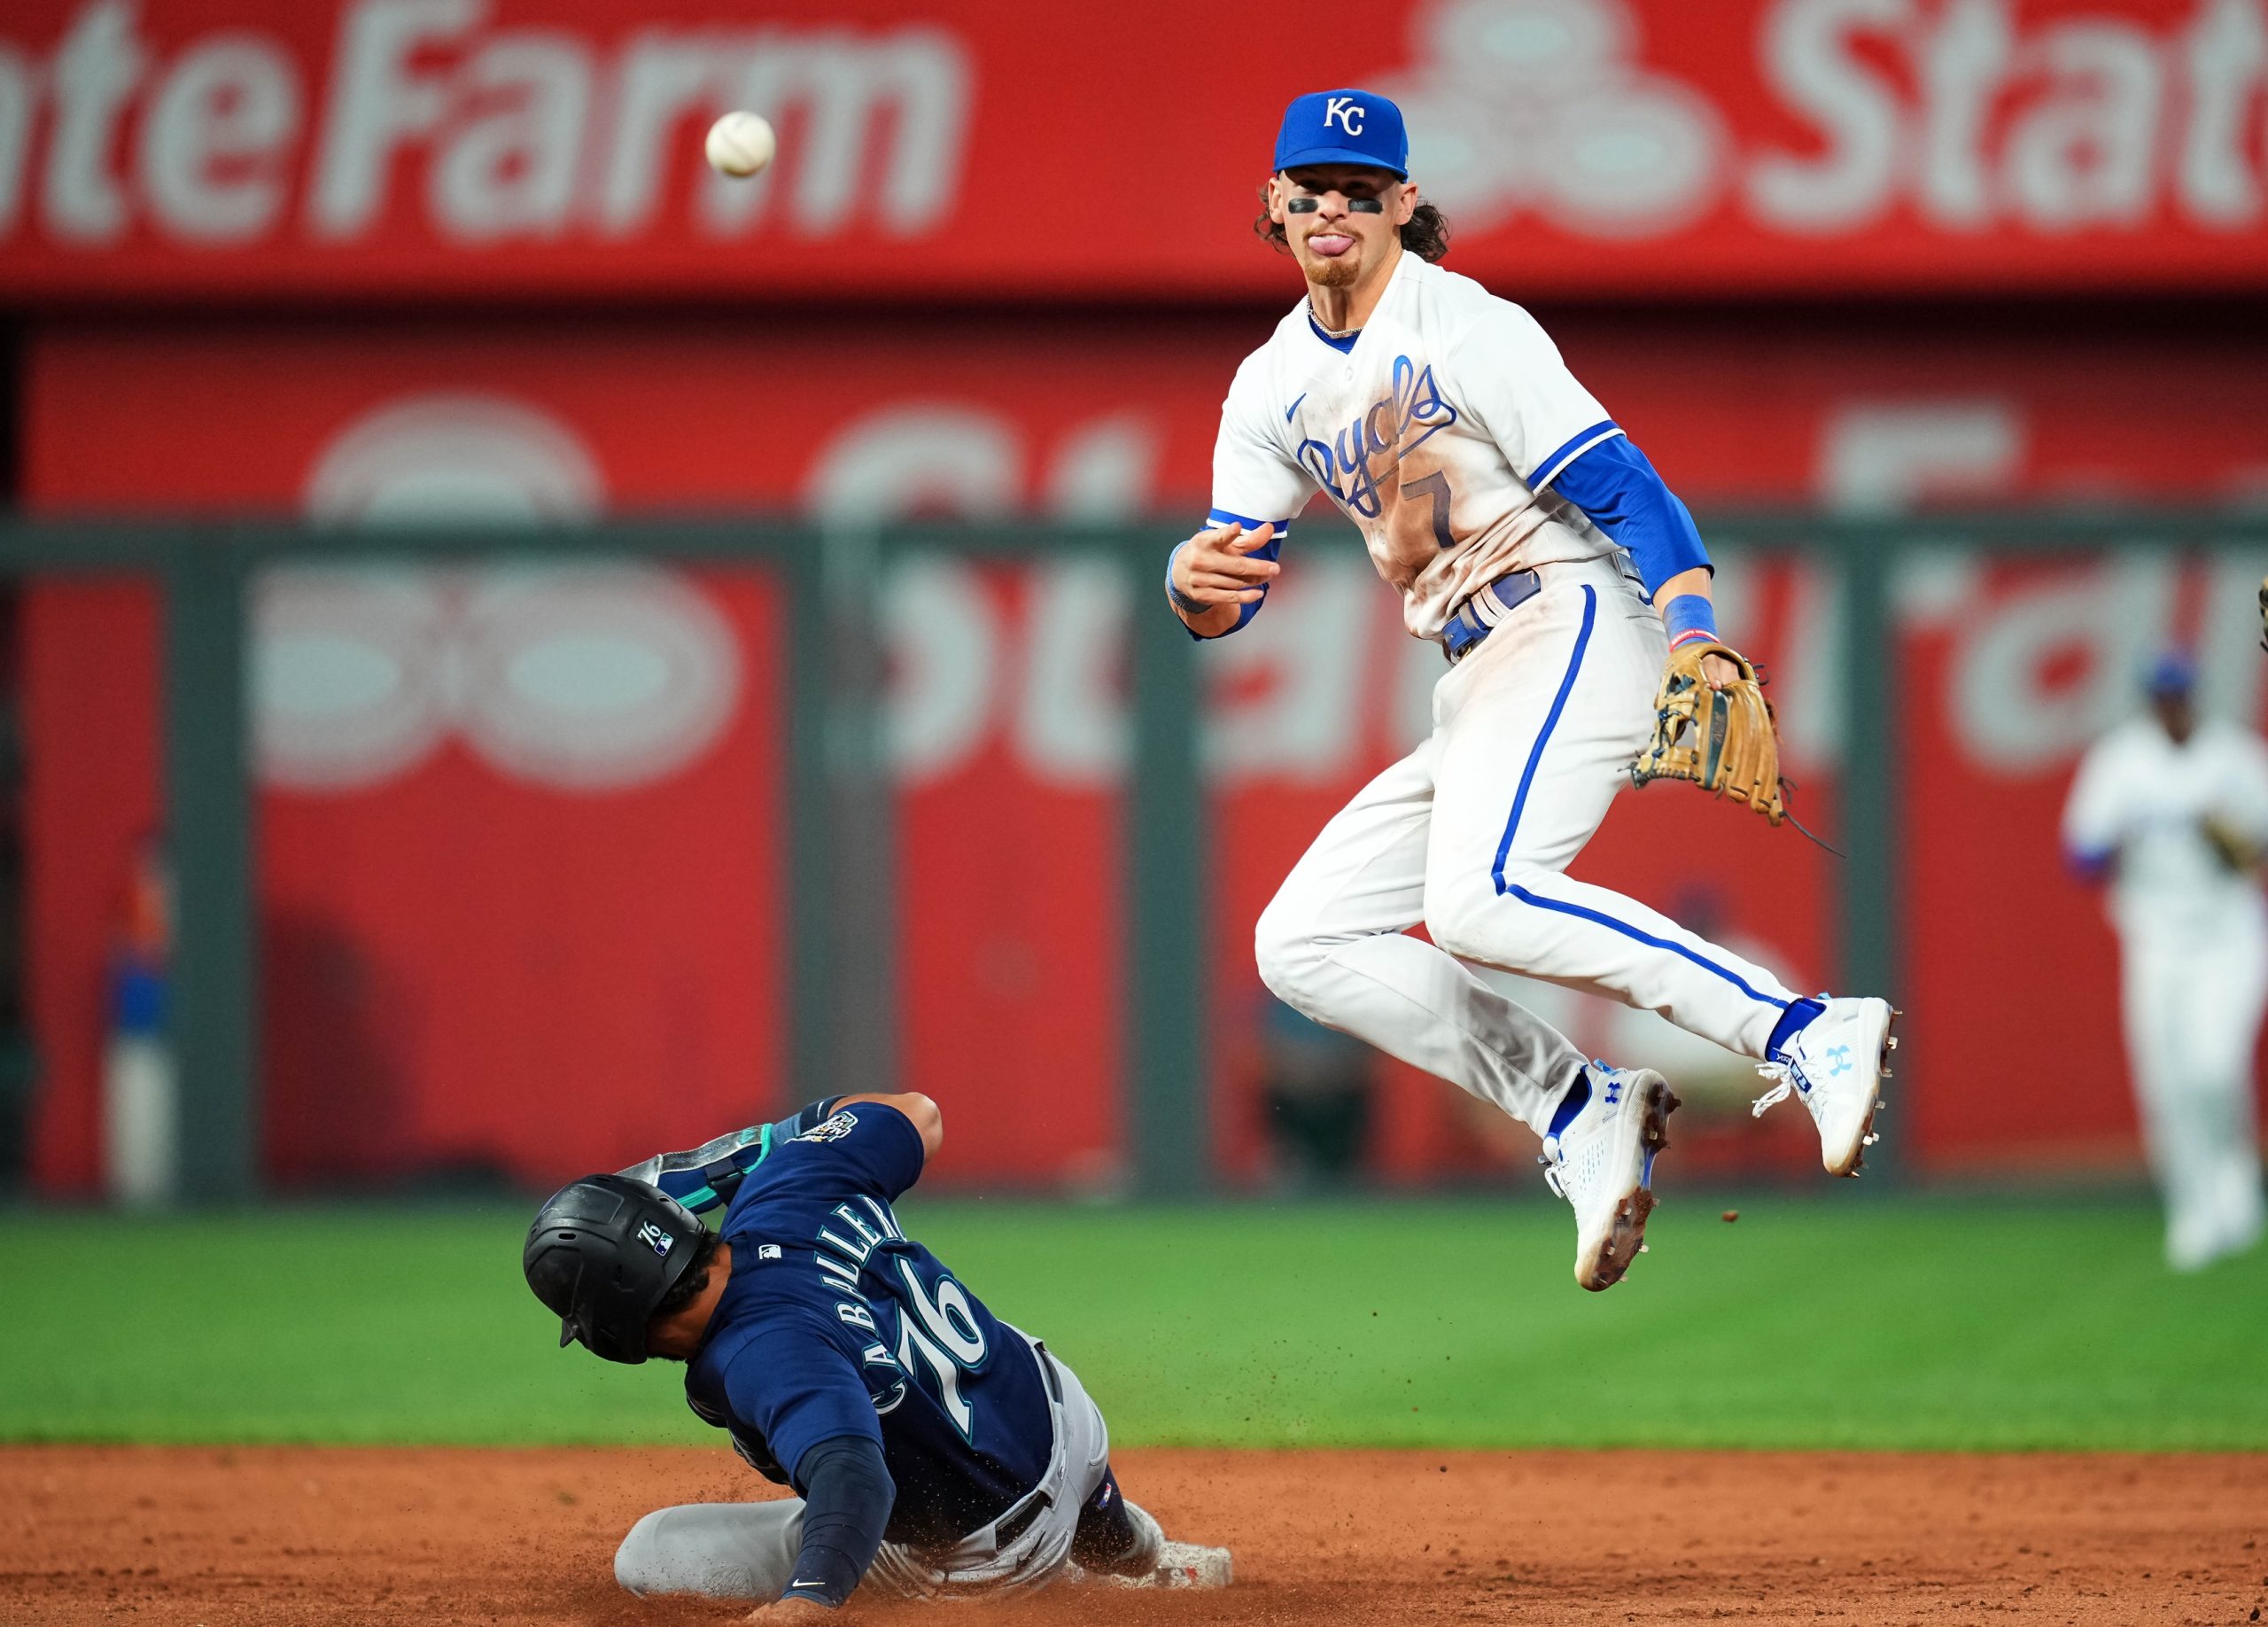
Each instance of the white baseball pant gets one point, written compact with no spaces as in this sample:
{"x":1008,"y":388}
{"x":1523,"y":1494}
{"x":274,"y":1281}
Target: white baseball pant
{"x":2193,"y":999}
{"x":1471,"y":834}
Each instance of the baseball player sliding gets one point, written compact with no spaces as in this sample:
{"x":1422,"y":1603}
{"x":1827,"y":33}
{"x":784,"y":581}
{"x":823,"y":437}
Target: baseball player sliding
{"x":1529,"y":538}
{"x":933,"y":1447}
{"x":2172,"y":812}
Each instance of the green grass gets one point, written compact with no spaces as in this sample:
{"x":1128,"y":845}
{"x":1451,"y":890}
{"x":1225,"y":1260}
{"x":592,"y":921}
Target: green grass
{"x":1835,"y":1322}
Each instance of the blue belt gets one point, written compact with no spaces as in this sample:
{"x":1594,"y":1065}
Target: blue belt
{"x":1464,"y":630}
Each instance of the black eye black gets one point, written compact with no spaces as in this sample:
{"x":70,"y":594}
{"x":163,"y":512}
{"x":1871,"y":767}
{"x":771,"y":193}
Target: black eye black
{"x":1365,"y":206}
{"x":1301,"y":206}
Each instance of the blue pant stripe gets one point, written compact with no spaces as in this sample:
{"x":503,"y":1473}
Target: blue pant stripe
{"x":1551,"y":723}
{"x":1519,"y":801}
{"x":1628,"y":931}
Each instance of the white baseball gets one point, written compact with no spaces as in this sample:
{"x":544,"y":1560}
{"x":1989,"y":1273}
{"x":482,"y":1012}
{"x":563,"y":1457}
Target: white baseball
{"x":741,"y":144}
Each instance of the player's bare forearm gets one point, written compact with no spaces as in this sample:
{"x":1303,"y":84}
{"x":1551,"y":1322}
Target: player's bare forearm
{"x":1694,"y":581}
{"x":2230,"y":845}
{"x":1215,"y":574}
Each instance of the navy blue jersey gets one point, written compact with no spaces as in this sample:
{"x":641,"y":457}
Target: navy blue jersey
{"x":836,"y":1323}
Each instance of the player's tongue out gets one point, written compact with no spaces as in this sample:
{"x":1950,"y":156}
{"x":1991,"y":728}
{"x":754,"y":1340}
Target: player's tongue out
{"x":1331,"y":245}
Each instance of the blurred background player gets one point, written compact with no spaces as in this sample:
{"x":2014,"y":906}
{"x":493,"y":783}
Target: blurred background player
{"x":1536,"y":543}
{"x":2171,"y":811}
{"x":931,"y":1446}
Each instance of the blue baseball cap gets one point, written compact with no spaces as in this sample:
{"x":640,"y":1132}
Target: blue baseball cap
{"x":2173,"y":673}
{"x":1343,"y":127}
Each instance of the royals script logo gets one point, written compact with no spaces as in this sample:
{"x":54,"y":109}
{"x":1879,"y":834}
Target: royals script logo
{"x":1349,"y":466}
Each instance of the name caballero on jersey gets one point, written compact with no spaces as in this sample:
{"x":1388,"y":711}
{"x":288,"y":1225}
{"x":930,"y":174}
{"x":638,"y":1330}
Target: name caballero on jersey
{"x":844,"y":1257}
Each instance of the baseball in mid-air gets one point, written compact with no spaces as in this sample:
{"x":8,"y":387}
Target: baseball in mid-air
{"x":741,"y":144}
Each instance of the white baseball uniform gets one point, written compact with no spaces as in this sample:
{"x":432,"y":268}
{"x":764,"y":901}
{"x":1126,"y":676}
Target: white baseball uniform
{"x":1437,"y":429}
{"x":2193,"y":937}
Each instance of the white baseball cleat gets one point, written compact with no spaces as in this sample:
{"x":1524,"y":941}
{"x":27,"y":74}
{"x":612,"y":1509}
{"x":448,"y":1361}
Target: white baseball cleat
{"x":1836,"y":1064}
{"x":1602,"y":1164}
{"x":1186,"y":1564}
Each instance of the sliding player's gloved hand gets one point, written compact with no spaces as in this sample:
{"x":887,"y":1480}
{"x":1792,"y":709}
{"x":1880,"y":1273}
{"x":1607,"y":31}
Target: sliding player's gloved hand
{"x":1721,"y":739}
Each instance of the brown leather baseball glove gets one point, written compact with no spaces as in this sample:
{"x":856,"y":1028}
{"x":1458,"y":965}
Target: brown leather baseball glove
{"x":1721,"y":740}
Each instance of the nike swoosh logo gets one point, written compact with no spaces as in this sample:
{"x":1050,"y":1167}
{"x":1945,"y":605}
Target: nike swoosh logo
{"x":1294,"y":407}
{"x":799,"y":1582}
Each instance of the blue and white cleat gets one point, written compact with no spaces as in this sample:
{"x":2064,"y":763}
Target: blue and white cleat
{"x":1837,"y":1065}
{"x":1602,"y":1164}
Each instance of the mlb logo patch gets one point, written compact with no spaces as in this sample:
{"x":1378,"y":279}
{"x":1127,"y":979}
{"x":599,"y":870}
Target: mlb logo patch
{"x":768,"y":1251}
{"x":652,"y":1235}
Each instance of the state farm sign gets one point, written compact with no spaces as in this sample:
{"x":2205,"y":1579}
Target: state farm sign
{"x":965,"y":149}
{"x":504,"y":133}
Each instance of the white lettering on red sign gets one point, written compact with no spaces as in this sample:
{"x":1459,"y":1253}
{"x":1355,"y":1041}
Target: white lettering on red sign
{"x":1955,"y":112}
{"x":2087,"y":121}
{"x":487,"y":135}
{"x":1962,"y":116}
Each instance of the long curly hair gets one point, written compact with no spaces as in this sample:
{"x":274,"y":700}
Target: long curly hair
{"x":1426,"y":233}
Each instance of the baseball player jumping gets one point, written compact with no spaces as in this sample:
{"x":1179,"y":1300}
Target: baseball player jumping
{"x":1566,"y":584}
{"x":2171,"y":812}
{"x":933,"y":1447}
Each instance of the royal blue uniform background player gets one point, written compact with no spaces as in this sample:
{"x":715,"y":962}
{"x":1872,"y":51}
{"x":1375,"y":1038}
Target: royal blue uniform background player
{"x":934,"y":1448}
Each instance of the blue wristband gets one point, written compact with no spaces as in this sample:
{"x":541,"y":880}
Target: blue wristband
{"x":1689,"y":617}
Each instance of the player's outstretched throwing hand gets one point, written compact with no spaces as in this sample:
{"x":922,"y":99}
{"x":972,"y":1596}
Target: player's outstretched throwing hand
{"x":1215,"y":571}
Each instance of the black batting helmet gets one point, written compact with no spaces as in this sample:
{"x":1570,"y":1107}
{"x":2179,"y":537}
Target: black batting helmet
{"x":602,"y":1252}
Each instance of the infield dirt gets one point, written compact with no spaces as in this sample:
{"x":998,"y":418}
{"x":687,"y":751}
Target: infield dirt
{"x":266,"y":1536}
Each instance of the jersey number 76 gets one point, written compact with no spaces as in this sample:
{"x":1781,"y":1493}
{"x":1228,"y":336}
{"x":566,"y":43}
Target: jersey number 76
{"x":948,"y":1341}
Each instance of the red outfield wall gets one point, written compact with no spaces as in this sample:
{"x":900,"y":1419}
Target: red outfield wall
{"x":986,"y":149}
{"x":519,"y":836}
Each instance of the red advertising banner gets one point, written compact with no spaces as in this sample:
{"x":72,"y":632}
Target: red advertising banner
{"x":978,"y":149}
{"x":518,"y":842}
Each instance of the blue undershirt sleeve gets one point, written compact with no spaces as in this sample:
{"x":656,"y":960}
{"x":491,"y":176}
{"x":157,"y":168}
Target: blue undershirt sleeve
{"x":848,"y":1495}
{"x":1614,"y":484}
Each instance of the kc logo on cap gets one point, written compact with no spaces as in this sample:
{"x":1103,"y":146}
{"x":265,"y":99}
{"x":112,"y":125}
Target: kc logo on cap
{"x":1343,"y":127}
